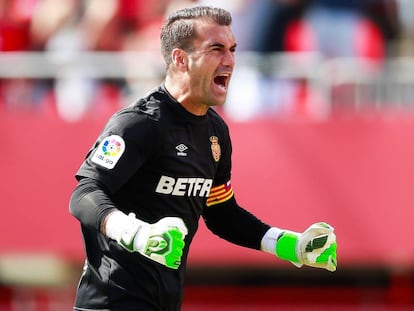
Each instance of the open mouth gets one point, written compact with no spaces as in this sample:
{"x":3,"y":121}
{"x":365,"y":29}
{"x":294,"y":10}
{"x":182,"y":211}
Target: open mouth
{"x":222,"y":81}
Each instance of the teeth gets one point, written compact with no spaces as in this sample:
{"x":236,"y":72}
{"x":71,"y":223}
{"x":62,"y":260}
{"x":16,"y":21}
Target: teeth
{"x":221,"y":80}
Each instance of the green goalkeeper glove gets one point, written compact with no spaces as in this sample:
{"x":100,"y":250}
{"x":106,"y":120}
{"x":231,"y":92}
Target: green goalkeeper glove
{"x":316,"y":247}
{"x":162,"y":241}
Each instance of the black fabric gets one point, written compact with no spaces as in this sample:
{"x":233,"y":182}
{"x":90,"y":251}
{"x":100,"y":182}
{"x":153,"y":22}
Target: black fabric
{"x":161,"y":163}
{"x":233,"y":223}
{"x":90,"y":204}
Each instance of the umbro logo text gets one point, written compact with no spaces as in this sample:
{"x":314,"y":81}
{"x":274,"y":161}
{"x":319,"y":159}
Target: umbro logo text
{"x":181,"y":148}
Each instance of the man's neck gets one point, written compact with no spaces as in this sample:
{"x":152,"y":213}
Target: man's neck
{"x":181,"y":93}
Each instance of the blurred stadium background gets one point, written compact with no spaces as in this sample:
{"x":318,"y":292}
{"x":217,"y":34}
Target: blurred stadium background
{"x":321,"y":111}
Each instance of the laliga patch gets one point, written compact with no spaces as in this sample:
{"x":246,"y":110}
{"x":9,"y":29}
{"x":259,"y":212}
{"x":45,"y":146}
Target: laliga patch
{"x":109,"y":151}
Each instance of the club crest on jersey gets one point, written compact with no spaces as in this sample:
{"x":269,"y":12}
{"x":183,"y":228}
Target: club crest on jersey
{"x":215,"y":148}
{"x":109,"y":151}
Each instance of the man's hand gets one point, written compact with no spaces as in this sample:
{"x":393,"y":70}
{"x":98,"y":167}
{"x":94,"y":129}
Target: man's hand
{"x":162,"y":241}
{"x":316,"y":247}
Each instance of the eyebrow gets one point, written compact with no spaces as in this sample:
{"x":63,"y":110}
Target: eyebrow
{"x":220,"y":45}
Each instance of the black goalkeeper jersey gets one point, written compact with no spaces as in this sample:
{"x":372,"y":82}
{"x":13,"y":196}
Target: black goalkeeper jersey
{"x":154,"y":159}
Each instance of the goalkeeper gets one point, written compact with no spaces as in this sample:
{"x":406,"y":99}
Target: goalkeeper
{"x":161,"y":164}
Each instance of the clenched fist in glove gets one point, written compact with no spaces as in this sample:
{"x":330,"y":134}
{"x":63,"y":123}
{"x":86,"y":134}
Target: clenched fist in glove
{"x":162,"y":241}
{"x":315,"y":247}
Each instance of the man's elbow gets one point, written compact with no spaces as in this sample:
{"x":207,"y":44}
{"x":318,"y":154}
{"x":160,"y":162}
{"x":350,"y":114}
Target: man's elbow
{"x":74,"y":202}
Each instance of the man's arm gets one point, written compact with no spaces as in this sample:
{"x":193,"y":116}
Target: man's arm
{"x":315,"y":247}
{"x":90,"y":204}
{"x":233,"y":223}
{"x":162,"y":242}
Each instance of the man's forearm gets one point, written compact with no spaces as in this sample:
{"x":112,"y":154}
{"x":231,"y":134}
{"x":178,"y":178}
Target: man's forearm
{"x":234,"y":224}
{"x":90,"y":204}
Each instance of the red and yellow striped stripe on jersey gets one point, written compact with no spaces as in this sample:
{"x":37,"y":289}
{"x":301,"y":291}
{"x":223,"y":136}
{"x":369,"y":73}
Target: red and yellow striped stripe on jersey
{"x":220,"y":194}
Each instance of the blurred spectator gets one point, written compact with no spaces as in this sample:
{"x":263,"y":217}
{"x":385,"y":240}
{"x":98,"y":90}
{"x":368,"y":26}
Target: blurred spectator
{"x":70,"y":27}
{"x":327,"y":28}
{"x":263,"y":94}
{"x":405,"y":10}
{"x":16,"y":94}
{"x":346,"y":28}
{"x":361,"y":28}
{"x":142,"y":21}
{"x":385,"y":15}
{"x":272,"y":18}
{"x":14,"y":25}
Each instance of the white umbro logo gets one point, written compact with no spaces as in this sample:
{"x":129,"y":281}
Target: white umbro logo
{"x":180,"y":150}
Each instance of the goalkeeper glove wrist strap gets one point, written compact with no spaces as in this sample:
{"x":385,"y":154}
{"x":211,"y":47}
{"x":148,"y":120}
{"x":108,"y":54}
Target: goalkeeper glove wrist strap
{"x":282,"y":243}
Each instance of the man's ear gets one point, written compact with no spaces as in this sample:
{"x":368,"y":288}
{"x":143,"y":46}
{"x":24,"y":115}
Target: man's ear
{"x":180,"y":59}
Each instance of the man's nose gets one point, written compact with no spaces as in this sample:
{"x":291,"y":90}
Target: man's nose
{"x":229,"y":59}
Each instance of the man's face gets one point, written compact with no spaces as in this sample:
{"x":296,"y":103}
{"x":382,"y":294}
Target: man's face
{"x":211,"y":63}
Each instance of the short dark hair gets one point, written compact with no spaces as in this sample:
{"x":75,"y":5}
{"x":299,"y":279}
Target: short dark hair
{"x":178,"y":29}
